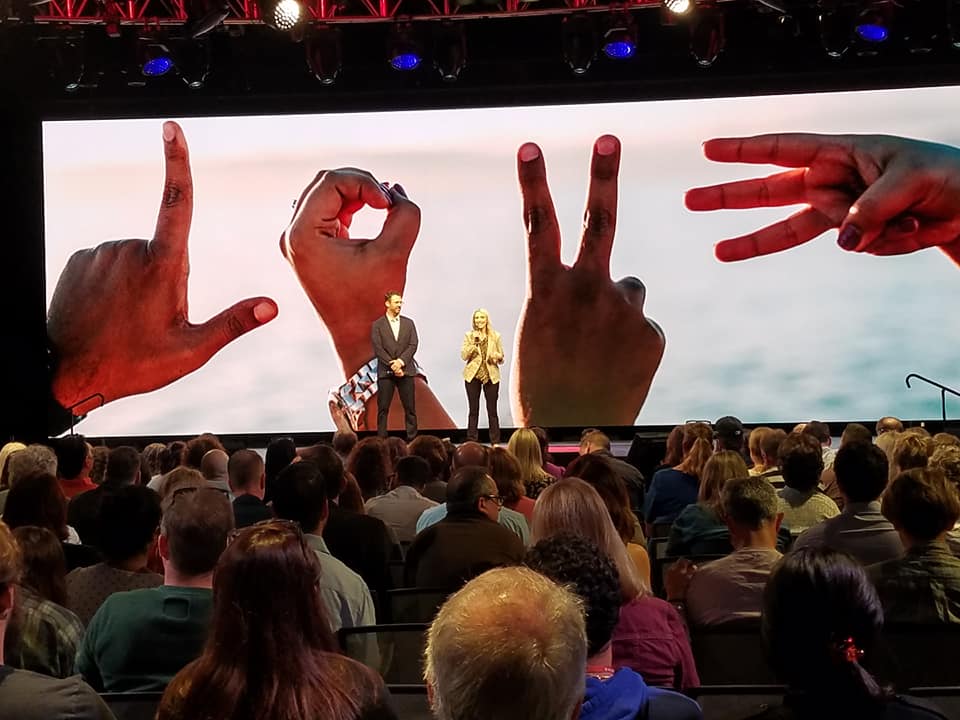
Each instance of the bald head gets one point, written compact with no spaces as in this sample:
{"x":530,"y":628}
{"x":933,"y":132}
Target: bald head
{"x":470,"y":453}
{"x":245,"y":471}
{"x":889,"y":424}
{"x":213,"y":466}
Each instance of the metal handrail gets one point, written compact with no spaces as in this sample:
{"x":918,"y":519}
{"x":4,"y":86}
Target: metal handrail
{"x":943,"y":391}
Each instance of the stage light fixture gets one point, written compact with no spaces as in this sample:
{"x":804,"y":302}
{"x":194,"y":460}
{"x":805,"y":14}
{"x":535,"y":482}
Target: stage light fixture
{"x":620,"y":39}
{"x":678,"y":7}
{"x":194,"y":60}
{"x":873,"y":25}
{"x":450,"y":50}
{"x":953,"y":23}
{"x":834,"y":21}
{"x":921,"y":24}
{"x":324,"y":53}
{"x":284,"y":15}
{"x":403,"y":51}
{"x":707,"y":36}
{"x":203,"y":16}
{"x":578,"y":37}
{"x":154,"y":56}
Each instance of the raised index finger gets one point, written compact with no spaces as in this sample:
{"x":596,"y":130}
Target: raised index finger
{"x":600,"y":220}
{"x":784,"y":149}
{"x":176,"y":208}
{"x":539,"y":215}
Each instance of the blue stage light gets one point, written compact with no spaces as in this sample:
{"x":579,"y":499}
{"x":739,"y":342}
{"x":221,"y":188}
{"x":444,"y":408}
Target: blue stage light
{"x":872,"y":32}
{"x":157,"y":66}
{"x":406,"y":61}
{"x":619,"y":49}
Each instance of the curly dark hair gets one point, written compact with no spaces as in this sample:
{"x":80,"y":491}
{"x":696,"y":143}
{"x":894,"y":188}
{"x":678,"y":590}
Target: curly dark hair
{"x":573,"y":561}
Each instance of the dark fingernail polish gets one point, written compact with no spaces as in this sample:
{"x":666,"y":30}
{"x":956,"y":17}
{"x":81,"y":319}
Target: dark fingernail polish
{"x":849,"y":237}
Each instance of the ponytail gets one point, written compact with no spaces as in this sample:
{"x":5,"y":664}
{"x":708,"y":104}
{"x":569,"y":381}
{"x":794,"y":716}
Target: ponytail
{"x":697,"y":448}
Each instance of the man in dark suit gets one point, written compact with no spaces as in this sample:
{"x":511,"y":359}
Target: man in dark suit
{"x":394,"y":341}
{"x":247,"y":478}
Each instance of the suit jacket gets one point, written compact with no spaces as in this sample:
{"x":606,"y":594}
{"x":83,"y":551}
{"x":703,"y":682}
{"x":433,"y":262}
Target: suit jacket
{"x":248,"y":510}
{"x":470,"y":354}
{"x":387,"y":349}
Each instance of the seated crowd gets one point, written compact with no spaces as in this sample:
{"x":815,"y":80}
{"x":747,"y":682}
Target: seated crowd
{"x":221,"y":579}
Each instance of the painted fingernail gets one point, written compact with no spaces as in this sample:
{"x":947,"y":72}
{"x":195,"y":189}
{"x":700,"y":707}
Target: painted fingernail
{"x":606,"y":145}
{"x":169,"y":131}
{"x":528,"y":152}
{"x":849,"y":237}
{"x":264,"y":312}
{"x":907,"y":225}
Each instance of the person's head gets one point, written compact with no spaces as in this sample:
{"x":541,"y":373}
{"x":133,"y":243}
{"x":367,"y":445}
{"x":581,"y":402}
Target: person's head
{"x":431,"y":449}
{"x":801,"y":461}
{"x":470,"y":453}
{"x":344,"y":441}
{"x":722,"y":466}
{"x":11,"y":569}
{"x":946,"y":459}
{"x":697,"y":448}
{"x":481,"y":320}
{"x":370,"y":465}
{"x":396,"y":449}
{"x":171,"y":457}
{"x":572,"y":561}
{"x":74,"y":458}
{"x":770,"y":443}
{"x":99,"y":467}
{"x":887,"y":442}
{"x":855,"y":432}
{"x":728,"y":432}
{"x":922,"y":505}
{"x":37,"y":500}
{"x":819,"y":430}
{"x":598,"y":471}
{"x":754,"y":444}
{"x":945,"y":438}
{"x":572,"y":505}
{"x":862,"y":471}
{"x":245,"y":472}
{"x":819,"y":612}
{"x":473,"y":492}
{"x":330,"y":465}
{"x":181,"y":478}
{"x":673,"y":453}
{"x":393,"y":302}
{"x":594,"y":441}
{"x":280,"y":453}
{"x":911,"y":451}
{"x":44,"y":566}
{"x":123,"y":467}
{"x":150,"y":458}
{"x":525,"y":447}
{"x":889,"y":424}
{"x":213,"y":466}
{"x":505,"y":471}
{"x":301,"y":496}
{"x":510,"y":645}
{"x":32,"y":460}
{"x":750,"y":509}
{"x":193,"y":533}
{"x":129,"y":521}
{"x":544,"y":441}
{"x":199,"y":446}
{"x":414,"y":472}
{"x":5,"y":452}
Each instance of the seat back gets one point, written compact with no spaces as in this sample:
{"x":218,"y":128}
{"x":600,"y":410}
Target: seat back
{"x":133,"y":705}
{"x":914,"y":655}
{"x":944,"y":699}
{"x":730,"y":654}
{"x":735,"y":702}
{"x":410,"y":702}
{"x":414,"y":605}
{"x":394,"y":651}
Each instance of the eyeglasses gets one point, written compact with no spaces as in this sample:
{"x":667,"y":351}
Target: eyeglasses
{"x":496,"y":498}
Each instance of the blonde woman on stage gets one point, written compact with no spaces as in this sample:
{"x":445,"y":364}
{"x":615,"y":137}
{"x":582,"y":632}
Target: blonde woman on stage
{"x":483,"y":353}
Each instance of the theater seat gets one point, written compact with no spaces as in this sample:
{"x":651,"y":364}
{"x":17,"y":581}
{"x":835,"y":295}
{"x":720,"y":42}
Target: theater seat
{"x":134,"y":705}
{"x":414,"y":605}
{"x":410,"y":702}
{"x":735,"y":702}
{"x":912,"y":655}
{"x":394,"y":651}
{"x":730,"y":654}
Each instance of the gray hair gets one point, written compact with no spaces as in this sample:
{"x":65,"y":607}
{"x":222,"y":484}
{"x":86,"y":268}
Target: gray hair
{"x":33,"y":459}
{"x":749,"y":501}
{"x":510,"y":645}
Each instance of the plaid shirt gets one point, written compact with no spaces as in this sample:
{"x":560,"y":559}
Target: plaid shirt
{"x":43,"y":636}
{"x":921,"y":587}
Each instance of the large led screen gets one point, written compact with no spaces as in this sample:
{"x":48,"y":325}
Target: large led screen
{"x":809,"y":332}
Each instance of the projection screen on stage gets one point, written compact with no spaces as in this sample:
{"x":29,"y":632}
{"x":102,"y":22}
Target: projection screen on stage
{"x":814,"y":332}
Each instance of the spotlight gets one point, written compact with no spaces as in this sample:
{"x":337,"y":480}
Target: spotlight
{"x":450,"y":50}
{"x":921,"y":27}
{"x":620,"y":40}
{"x":281,"y":14}
{"x":205,"y":15}
{"x":193,"y":63}
{"x":872,"y":25}
{"x":835,"y":35}
{"x":707,"y":36}
{"x":403,"y":50}
{"x":324,"y":53}
{"x":677,"y":7}
{"x":153,"y":57}
{"x":70,"y":58}
{"x":578,"y":38}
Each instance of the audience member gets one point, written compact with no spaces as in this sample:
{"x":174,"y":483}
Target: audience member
{"x":510,"y":645}
{"x":43,"y":636}
{"x":26,"y":695}
{"x":525,"y":447}
{"x":853,"y":432}
{"x":5,"y":452}
{"x":673,"y":450}
{"x":99,"y":468}
{"x":199,"y":446}
{"x":180,"y":479}
{"x":821,"y":431}
{"x":468,"y":541}
{"x":280,"y":453}
{"x":553,"y":470}
{"x":302,"y":497}
{"x":123,"y":468}
{"x":801,"y":502}
{"x":757,"y":466}
{"x":138,"y":640}
{"x":821,"y":617}
{"x":860,"y":529}
{"x":370,"y":465}
{"x":432,"y":450}
{"x":911,"y":450}
{"x":270,"y":654}
{"x":506,"y":473}
{"x":728,"y":434}
{"x":944,"y":438}
{"x":401,"y":507}
{"x":650,"y":636}
{"x":130,"y":524}
{"x":888,"y":424}
{"x":731,"y":588}
{"x":597,"y":443}
{"x":246,"y":474}
{"x":74,"y":461}
{"x":699,"y":529}
{"x":150,"y":461}
{"x":770,"y":443}
{"x":28,"y":460}
{"x":213,"y":467}
{"x":396,"y":449}
{"x":946,"y":459}
{"x":343,"y":443}
{"x":672,"y":489}
{"x":887,"y":442}
{"x":574,"y":562}
{"x":924,"y":585}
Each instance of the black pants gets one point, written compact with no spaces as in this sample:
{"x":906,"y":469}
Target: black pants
{"x":405,"y":388}
{"x":491,"y":391}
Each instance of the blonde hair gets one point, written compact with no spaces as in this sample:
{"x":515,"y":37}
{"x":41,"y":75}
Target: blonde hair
{"x":755,"y":442}
{"x":911,"y":450}
{"x":525,"y":447}
{"x":9,"y":449}
{"x":724,"y":465}
{"x":887,"y":441}
{"x":697,"y":448}
{"x":573,"y":505}
{"x":11,"y":559}
{"x":514,"y":626}
{"x":946,"y":459}
{"x":489,"y":328}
